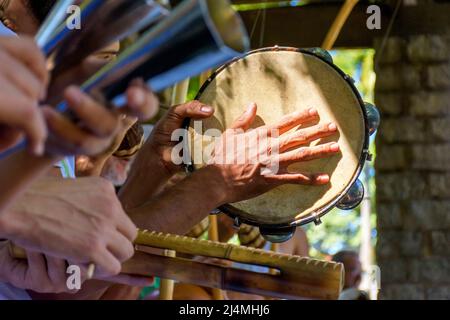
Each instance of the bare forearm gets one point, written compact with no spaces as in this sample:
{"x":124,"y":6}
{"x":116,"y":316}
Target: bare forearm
{"x":146,"y":179}
{"x":183,"y":206}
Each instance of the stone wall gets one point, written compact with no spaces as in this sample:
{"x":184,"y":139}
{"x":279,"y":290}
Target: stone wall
{"x":413,"y":167}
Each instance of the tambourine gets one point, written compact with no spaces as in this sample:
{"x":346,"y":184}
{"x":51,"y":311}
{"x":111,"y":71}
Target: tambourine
{"x":281,"y":81}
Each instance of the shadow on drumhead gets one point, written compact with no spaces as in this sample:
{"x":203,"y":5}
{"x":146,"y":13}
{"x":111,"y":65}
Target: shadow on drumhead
{"x":282,"y":82}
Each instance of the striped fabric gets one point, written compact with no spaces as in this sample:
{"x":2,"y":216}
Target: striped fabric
{"x":4,"y":31}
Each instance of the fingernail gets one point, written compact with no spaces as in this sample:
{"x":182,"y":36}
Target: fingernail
{"x":74,"y":94}
{"x":332,"y":127}
{"x":324,"y":178}
{"x":39,"y":149}
{"x":251,"y":107}
{"x":138,"y":97}
{"x":90,"y":271}
{"x":313,"y":112}
{"x":206,"y":109}
{"x":334,"y":147}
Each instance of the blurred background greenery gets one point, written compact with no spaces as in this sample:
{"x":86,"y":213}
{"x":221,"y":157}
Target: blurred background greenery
{"x":342,"y":229}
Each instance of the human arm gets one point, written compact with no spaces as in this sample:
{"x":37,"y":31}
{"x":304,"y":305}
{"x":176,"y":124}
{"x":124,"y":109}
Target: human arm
{"x":153,"y":166}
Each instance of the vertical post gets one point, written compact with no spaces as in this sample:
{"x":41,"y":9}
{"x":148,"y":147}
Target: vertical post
{"x":167,"y":285}
{"x":338,"y":24}
{"x":213,"y":234}
{"x":365,"y":253}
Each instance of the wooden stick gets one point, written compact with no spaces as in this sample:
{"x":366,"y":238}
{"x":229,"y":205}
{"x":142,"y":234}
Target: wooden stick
{"x":213,"y":235}
{"x":338,"y":24}
{"x":275,"y":247}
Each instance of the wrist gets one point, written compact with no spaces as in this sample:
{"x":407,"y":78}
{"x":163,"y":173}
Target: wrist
{"x":11,"y":224}
{"x":145,"y":179}
{"x":212,"y":184}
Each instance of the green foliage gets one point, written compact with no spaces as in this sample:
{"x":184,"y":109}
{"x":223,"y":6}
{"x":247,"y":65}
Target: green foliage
{"x":358,"y":63}
{"x":194,"y":87}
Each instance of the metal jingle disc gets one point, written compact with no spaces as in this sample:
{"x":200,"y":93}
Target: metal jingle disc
{"x":373,"y":117}
{"x":353,"y":198}
{"x":277,"y":235}
{"x":321,"y":53}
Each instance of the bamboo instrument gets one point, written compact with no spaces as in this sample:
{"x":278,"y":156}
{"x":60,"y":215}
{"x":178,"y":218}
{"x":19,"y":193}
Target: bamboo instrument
{"x":298,"y":277}
{"x":275,"y":247}
{"x":338,"y":24}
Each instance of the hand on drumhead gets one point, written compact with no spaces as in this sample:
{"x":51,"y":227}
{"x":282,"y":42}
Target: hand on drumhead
{"x":253,"y":162}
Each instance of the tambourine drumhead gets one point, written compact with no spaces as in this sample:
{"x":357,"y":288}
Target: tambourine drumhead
{"x":281,"y":82}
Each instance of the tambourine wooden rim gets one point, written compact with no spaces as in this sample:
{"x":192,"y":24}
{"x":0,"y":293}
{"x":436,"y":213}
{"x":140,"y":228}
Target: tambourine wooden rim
{"x":236,"y":213}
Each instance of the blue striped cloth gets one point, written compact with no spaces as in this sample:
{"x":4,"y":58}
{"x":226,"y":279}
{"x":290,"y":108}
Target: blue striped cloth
{"x":4,"y":31}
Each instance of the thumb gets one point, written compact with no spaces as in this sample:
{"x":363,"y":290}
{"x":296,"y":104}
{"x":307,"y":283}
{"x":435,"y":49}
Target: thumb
{"x":246,"y":120}
{"x":194,"y":109}
{"x":178,"y":114}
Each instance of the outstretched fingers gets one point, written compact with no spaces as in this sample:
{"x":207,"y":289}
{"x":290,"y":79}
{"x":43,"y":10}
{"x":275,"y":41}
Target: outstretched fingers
{"x":306,"y":136}
{"x":299,"y":178}
{"x":309,"y":153}
{"x":246,"y":119}
{"x":294,"y":119}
